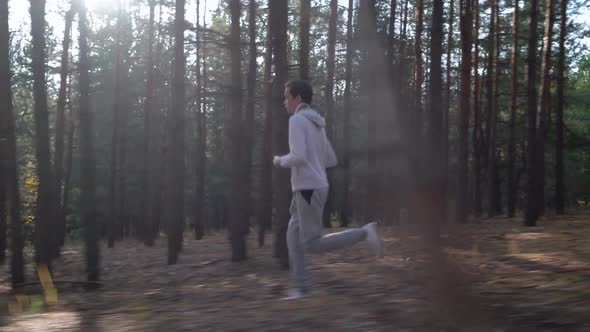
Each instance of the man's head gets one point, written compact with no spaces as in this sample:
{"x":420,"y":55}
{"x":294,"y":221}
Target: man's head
{"x":297,"y":92}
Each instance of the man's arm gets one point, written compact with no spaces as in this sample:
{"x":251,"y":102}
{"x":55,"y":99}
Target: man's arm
{"x":297,"y":145}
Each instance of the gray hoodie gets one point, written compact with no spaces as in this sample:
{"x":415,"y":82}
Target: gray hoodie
{"x":310,"y":152}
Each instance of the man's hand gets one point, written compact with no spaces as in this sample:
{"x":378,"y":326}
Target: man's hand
{"x":276,"y":160}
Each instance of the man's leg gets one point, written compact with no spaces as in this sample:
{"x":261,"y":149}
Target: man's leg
{"x":296,"y":250}
{"x":309,"y":213}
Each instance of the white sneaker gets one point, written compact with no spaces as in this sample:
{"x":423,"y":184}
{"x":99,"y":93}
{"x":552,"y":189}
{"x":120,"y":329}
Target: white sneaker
{"x":374,"y":238}
{"x":295,"y":294}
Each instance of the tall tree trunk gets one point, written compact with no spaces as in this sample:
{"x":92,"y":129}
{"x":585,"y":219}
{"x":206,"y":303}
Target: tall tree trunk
{"x":304,"y":39}
{"x":199,"y":211}
{"x":329,"y":94}
{"x":464,"y":106}
{"x":123,"y":109}
{"x":346,"y":177}
{"x":115,"y":167}
{"x":238,"y":221}
{"x":249,"y":114}
{"x":10,"y":197}
{"x":368,"y":30}
{"x":88,"y":161}
{"x":265,"y":214}
{"x":437,"y":198}
{"x":544,"y":105}
{"x":71,"y":122}
{"x":159,"y":137}
{"x":278,"y":13}
{"x":492,"y":77}
{"x":477,"y":133}
{"x":47,"y":207}
{"x":147,"y":173}
{"x":418,"y":74}
{"x":559,"y":185}
{"x":176,"y":167}
{"x":447,"y":103}
{"x":532,"y":205}
{"x":60,"y":128}
{"x":512,"y":185}
{"x":419,"y":162}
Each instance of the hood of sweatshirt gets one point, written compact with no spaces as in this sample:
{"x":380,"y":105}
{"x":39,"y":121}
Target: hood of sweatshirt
{"x":312,"y":115}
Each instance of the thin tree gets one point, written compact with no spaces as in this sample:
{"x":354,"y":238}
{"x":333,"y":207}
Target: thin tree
{"x":304,"y":39}
{"x":88,"y":159}
{"x":512,"y":186}
{"x":464,"y":106}
{"x":418,"y":73}
{"x":532,"y":209}
{"x":369,"y":55}
{"x":248,"y":140}
{"x":60,"y":126}
{"x":329,"y":95}
{"x":10,"y":197}
{"x":176,"y":168}
{"x":346,"y":176}
{"x":447,"y":93}
{"x":544,"y":104}
{"x":278,"y":13}
{"x":148,"y":150}
{"x":115,"y":168}
{"x":559,"y":185}
{"x":71,"y":123}
{"x":437,"y":213}
{"x":201,"y":144}
{"x":265,"y":212}
{"x":492,"y":87}
{"x":238,"y":221}
{"x":477,"y":132}
{"x":45,"y":237}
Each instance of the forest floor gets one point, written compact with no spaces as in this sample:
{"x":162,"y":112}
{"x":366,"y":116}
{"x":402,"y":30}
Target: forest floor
{"x":494,"y":275}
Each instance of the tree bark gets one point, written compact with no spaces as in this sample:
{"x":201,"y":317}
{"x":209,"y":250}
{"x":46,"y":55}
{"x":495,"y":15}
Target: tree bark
{"x":88,"y":159}
{"x":512,"y":185}
{"x":176,"y":167}
{"x":346,"y":176}
{"x":559,"y":185}
{"x":464,"y":106}
{"x":329,"y":95}
{"x":10,"y":197}
{"x":147,"y":173}
{"x":436,"y":180}
{"x":477,"y":133}
{"x":278,"y":12}
{"x":265,"y":214}
{"x":238,"y":221}
{"x":60,"y":127}
{"x":544,"y":105}
{"x":46,"y":239}
{"x":249,"y":114}
{"x":492,"y":77}
{"x":532,"y":208}
{"x":199,"y":211}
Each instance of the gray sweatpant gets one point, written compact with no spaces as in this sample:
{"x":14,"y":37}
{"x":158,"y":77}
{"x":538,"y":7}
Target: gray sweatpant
{"x":305,"y":233}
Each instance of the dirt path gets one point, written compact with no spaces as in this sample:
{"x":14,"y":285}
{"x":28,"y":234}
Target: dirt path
{"x":493,"y":276}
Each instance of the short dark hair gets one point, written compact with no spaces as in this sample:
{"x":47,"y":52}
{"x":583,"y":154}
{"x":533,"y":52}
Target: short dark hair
{"x":300,"y":88}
